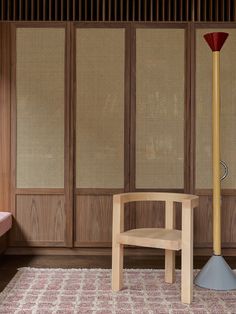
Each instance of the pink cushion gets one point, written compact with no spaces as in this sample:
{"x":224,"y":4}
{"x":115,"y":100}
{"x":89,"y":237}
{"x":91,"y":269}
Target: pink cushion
{"x":5,"y":222}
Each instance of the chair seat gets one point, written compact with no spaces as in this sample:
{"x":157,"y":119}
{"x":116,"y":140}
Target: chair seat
{"x":152,"y":237}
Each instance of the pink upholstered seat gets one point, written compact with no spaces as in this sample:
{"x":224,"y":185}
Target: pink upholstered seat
{"x":5,"y":222}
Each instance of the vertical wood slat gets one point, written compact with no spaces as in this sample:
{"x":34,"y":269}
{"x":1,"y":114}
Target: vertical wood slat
{"x":162,"y":13}
{"x":139,"y":10}
{"x":8,"y":11}
{"x":91,"y":10}
{"x":38,"y":7}
{"x":133,"y":10}
{"x":68,"y":10}
{"x":217,"y":10}
{"x":187,"y":10}
{"x":145,"y":10}
{"x":121,"y":11}
{"x":127,"y":10}
{"x":26,"y":10}
{"x":73,"y":9}
{"x":32,"y":10}
{"x":86,"y":10}
{"x":62,"y":13}
{"x":228,"y":10}
{"x":204,"y":10}
{"x":234,"y":13}
{"x":222,"y":10}
{"x":103,"y":10}
{"x":151,"y":10}
{"x":115,"y":10}
{"x":156,"y":12}
{"x":181,"y":10}
{"x":210,"y":11}
{"x":169,"y":10}
{"x":20,"y":10}
{"x":80,"y":10}
{"x":98,"y":4}
{"x":175,"y":10}
{"x":14,"y":10}
{"x":2,"y":8}
{"x":44,"y":10}
{"x":5,"y":116}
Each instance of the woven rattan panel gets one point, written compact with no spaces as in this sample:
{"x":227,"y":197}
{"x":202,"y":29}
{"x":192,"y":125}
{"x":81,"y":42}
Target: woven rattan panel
{"x":40,"y":107}
{"x":100,"y":108}
{"x":160,"y":108}
{"x":204,"y":110}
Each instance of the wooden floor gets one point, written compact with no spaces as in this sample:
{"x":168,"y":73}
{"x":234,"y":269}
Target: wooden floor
{"x":10,"y":263}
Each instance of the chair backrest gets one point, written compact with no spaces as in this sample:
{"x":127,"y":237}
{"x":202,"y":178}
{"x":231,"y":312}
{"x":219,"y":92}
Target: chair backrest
{"x":155,"y":196}
{"x":191,"y":201}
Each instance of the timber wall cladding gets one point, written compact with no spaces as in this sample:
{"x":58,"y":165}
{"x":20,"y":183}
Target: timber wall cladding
{"x":48,"y":206}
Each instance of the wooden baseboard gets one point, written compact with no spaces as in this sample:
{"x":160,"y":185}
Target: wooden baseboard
{"x":107,"y":251}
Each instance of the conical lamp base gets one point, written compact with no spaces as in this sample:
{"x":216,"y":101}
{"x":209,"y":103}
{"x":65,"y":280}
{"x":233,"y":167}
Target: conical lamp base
{"x":216,"y":275}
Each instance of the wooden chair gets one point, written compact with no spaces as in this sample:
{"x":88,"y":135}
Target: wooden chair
{"x":166,"y":238}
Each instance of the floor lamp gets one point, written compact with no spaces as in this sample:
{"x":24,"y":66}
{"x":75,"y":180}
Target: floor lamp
{"x":216,"y":274}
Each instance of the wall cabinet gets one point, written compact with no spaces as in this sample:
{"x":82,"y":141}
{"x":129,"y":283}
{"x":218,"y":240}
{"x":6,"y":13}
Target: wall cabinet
{"x":94,"y":109}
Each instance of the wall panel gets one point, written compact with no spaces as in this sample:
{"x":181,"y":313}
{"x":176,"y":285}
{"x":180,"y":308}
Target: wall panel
{"x":40,"y":220}
{"x":93,"y":220}
{"x":100,"y":64}
{"x":40,"y":60}
{"x":160,"y":100}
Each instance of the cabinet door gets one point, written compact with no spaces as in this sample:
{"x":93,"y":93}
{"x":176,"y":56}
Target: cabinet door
{"x":160,"y":110}
{"x":100,"y":130}
{"x":204,"y":137}
{"x":38,"y":135}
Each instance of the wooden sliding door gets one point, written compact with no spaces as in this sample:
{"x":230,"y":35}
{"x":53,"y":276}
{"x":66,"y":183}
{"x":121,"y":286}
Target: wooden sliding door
{"x":102,"y":134}
{"x":40,"y":163}
{"x":159,"y":109}
{"x":203,"y":182}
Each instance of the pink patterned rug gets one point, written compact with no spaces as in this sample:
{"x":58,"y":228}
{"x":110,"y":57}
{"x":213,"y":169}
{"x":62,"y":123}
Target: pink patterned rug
{"x":70,"y":291}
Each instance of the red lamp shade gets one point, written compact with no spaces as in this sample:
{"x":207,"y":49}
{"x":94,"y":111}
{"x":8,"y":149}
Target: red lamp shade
{"x":216,"y":40}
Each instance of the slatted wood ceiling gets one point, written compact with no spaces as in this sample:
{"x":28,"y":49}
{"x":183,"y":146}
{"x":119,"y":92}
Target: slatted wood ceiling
{"x":118,"y":10}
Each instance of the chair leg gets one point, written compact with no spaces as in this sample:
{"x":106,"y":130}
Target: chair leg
{"x":117,"y":266}
{"x":169,"y":266}
{"x":186,"y":277}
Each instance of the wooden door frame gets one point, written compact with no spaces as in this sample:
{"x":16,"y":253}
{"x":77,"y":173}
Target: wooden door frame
{"x":68,"y":147}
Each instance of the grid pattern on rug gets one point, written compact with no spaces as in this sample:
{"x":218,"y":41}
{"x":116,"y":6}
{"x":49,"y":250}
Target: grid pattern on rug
{"x":63,"y":291}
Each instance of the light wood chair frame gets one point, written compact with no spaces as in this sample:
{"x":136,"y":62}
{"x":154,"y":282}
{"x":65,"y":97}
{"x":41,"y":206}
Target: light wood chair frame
{"x":189,"y":202}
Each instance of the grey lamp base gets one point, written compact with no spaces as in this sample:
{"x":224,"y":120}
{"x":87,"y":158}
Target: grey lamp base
{"x":216,"y":275}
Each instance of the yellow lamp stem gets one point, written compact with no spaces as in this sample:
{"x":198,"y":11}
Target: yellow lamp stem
{"x":216,"y":153}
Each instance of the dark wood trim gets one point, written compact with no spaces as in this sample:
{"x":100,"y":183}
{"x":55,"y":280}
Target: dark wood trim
{"x":160,"y":190}
{"x":187,"y":112}
{"x":159,"y":25}
{"x":13,"y":118}
{"x":39,"y":191}
{"x":107,"y":251}
{"x":78,"y":244}
{"x":90,"y":24}
{"x":132,"y":107}
{"x":5,"y":116}
{"x":68,"y":143}
{"x":84,"y":191}
{"x":192,"y":78}
{"x":39,"y":24}
{"x":214,"y":25}
{"x":39,"y":244}
{"x":127,"y":109}
{"x":208,"y":192}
